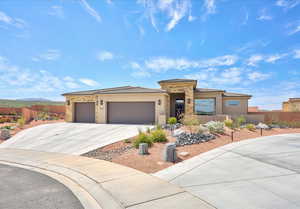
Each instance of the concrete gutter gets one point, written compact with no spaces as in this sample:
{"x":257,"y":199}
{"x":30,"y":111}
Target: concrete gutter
{"x":103,"y":185}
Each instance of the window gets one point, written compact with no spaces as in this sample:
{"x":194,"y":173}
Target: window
{"x":232,"y":103}
{"x":205,"y":106}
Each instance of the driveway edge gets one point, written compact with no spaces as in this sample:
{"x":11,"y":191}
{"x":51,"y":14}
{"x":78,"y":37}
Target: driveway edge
{"x":104,"y":185}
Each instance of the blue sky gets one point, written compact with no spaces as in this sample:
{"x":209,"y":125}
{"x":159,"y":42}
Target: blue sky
{"x":52,"y":47}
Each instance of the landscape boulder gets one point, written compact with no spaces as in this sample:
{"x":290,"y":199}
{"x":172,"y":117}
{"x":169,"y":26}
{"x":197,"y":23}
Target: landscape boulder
{"x":169,"y":154}
{"x":5,"y":134}
{"x":262,"y":126}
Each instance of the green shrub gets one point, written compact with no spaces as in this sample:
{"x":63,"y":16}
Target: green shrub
{"x":127,"y":141}
{"x":142,"y":138}
{"x":21,"y":122}
{"x":158,"y":136}
{"x":250,"y":127}
{"x":240,"y":121}
{"x":228,"y":123}
{"x":215,"y":127}
{"x":172,"y":121}
{"x":158,"y":127}
{"x":148,"y":130}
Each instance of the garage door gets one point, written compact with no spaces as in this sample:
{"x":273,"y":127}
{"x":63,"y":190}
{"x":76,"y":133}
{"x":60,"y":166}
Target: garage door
{"x":131,"y":112}
{"x":85,"y":112}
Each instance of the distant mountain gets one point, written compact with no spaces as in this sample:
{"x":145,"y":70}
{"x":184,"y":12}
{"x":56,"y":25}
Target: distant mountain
{"x":34,"y":100}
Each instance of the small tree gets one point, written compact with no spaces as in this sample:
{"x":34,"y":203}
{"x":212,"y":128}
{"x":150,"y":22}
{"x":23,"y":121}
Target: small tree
{"x":240,"y":120}
{"x":190,"y":121}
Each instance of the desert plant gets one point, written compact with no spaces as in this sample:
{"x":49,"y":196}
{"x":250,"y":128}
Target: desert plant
{"x":127,"y":141}
{"x":228,"y":123}
{"x":190,"y":120}
{"x":158,"y":127}
{"x":148,"y":130}
{"x":202,"y":129}
{"x":240,"y":121}
{"x":172,"y":121}
{"x":250,"y":127}
{"x":21,"y":122}
{"x":142,"y":138}
{"x":158,"y":136}
{"x":215,"y":127}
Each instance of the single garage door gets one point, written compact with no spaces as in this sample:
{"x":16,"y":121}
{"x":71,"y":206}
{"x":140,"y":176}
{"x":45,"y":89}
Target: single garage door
{"x":85,"y":112}
{"x":131,"y":112}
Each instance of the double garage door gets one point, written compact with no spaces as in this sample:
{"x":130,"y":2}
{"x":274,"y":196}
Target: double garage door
{"x":118,"y":112}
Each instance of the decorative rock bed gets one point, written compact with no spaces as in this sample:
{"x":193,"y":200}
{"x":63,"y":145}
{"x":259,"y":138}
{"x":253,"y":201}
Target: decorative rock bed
{"x":169,"y":127}
{"x":192,"y":138}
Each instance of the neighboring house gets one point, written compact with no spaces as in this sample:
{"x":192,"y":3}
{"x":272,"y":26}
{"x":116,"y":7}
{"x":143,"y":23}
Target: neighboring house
{"x":138,"y":105}
{"x":253,"y":109}
{"x":292,"y":105}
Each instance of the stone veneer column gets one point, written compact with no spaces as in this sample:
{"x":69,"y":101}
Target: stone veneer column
{"x":189,"y":95}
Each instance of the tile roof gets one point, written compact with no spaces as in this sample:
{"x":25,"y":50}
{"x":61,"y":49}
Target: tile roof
{"x":208,"y":90}
{"x":230,"y":94}
{"x":117,"y":90}
{"x":177,"y":80}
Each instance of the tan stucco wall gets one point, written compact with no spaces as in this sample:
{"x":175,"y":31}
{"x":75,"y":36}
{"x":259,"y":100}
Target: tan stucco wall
{"x":235,"y":110}
{"x":101,"y":111}
{"x":215,"y":95}
{"x":291,"y":106}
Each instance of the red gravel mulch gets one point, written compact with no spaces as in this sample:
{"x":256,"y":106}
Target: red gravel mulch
{"x":153,"y":162}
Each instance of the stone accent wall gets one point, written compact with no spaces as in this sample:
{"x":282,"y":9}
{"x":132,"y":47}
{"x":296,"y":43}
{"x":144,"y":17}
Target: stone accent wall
{"x":182,"y":87}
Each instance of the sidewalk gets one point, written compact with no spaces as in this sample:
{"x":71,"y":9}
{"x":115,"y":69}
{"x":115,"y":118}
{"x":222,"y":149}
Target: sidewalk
{"x":104,"y":185}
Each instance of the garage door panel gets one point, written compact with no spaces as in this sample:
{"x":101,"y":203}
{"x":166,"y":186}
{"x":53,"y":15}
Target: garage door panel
{"x":85,"y":112}
{"x":131,"y":112}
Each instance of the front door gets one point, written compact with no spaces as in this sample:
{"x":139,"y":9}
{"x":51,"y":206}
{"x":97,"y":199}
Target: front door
{"x":179,"y":108}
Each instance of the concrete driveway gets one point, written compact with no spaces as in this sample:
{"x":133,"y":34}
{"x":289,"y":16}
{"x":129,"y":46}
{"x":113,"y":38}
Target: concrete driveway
{"x":260,"y":173}
{"x":71,"y":138}
{"x":24,"y":189}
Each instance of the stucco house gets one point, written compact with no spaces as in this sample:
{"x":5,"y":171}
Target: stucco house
{"x":292,"y":105}
{"x":138,"y":105}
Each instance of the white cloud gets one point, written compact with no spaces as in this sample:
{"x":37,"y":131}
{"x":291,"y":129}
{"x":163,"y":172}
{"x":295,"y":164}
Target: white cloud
{"x":264,"y":16}
{"x":139,"y":72}
{"x":57,"y":11}
{"x":105,"y":55}
{"x":287,"y":4}
{"x":213,"y":76}
{"x":297,"y":54}
{"x":89,"y":82}
{"x":210,"y":8}
{"x":164,"y":64}
{"x":22,"y":80}
{"x":49,"y":55}
{"x":258,"y":76}
{"x":90,"y":10}
{"x":17,"y":22}
{"x":293,"y":28}
{"x":177,"y":12}
{"x":174,"y":10}
{"x":275,"y":57}
{"x":254,"y":59}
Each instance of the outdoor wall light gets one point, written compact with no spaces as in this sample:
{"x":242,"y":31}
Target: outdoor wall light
{"x":101,"y":102}
{"x":68,"y":102}
{"x":159,"y":102}
{"x":97,"y":102}
{"x":189,"y":101}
